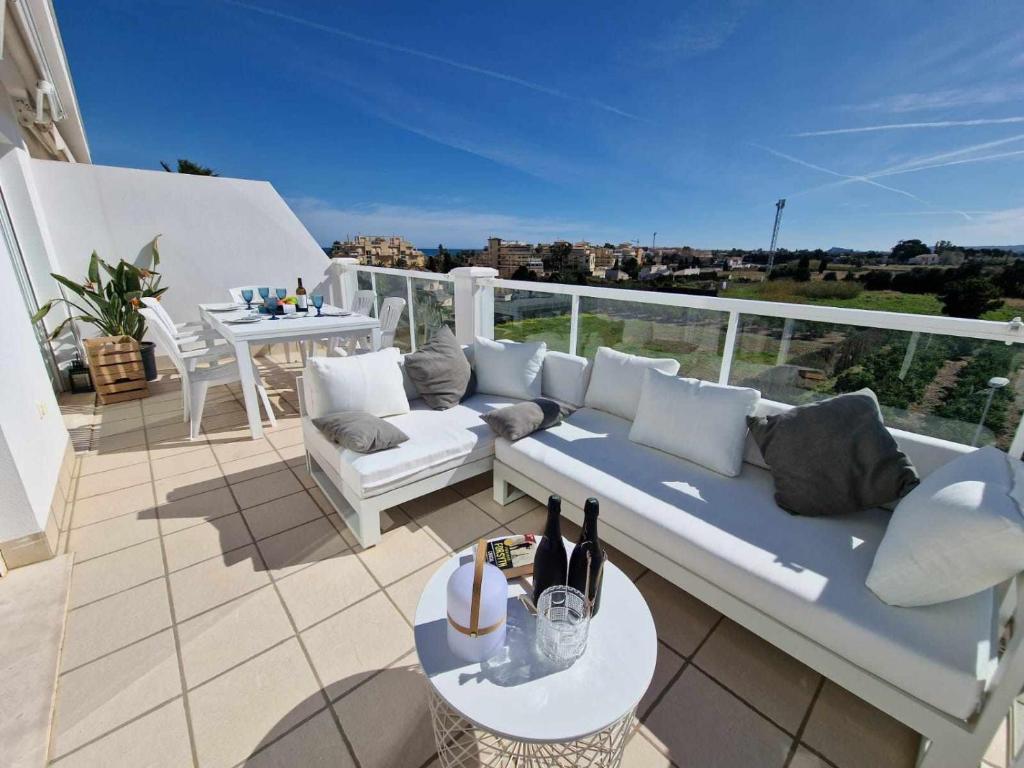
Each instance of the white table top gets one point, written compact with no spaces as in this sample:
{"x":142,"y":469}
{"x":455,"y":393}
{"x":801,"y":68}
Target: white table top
{"x":304,"y":324}
{"x":519,"y":694}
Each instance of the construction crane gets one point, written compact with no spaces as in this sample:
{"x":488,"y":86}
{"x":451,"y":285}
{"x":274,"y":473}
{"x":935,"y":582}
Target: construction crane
{"x":775,"y":234}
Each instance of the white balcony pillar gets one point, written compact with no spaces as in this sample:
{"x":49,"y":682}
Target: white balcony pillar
{"x":474,"y":303}
{"x":343,"y":281}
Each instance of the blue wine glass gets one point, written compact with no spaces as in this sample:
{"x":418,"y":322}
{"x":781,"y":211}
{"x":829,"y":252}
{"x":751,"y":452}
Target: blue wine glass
{"x":272,"y":306}
{"x":281,"y":293}
{"x":318,"y":301}
{"x":247,"y":297}
{"x":264,"y":293}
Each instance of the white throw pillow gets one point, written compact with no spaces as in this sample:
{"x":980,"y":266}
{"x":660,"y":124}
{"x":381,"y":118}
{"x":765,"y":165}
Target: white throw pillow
{"x":565,"y":378}
{"x":959,"y":532}
{"x":508,"y":368}
{"x":695,"y":420}
{"x":370,"y":382}
{"x":616,"y":379}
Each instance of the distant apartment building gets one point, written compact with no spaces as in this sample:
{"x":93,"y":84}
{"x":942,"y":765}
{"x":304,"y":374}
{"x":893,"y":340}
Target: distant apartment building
{"x":507,"y":256}
{"x":380,"y":251}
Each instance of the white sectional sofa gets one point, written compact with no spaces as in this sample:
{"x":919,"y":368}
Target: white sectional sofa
{"x":798,"y":582}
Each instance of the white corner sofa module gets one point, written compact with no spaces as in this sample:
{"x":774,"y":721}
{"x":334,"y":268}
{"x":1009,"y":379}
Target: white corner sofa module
{"x":798,"y":582}
{"x":444,"y":447}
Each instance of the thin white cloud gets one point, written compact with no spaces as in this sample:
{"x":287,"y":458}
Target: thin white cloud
{"x":457,"y":227}
{"x":965,"y":161}
{"x":998,"y":93}
{"x":383,"y":44}
{"x":703,"y":27}
{"x":909,"y":126}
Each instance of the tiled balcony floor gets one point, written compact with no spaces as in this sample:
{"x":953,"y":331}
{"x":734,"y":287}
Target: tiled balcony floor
{"x":221,"y":615}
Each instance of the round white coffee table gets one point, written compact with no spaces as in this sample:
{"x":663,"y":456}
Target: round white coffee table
{"x":519,"y":709}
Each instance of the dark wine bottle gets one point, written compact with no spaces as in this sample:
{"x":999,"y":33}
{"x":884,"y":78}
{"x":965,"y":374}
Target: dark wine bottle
{"x":550,"y":562}
{"x":586,"y":566}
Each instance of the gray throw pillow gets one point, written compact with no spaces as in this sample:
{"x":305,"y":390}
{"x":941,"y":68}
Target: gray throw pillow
{"x":440,"y":370}
{"x":516,"y":421}
{"x":360,"y":431}
{"x":833,"y":457}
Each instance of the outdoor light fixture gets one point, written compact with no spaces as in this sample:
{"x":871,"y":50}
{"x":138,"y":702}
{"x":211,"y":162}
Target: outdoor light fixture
{"x":995,"y":383}
{"x":81,"y":379}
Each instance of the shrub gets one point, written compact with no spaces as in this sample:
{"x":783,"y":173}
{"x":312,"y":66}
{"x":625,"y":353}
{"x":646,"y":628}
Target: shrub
{"x":830,"y":277}
{"x":877,"y":280}
{"x":971,"y":297}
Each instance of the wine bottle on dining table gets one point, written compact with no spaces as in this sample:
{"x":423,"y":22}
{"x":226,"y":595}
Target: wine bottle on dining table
{"x":550,"y":563}
{"x":301,"y":302}
{"x":586,"y":566}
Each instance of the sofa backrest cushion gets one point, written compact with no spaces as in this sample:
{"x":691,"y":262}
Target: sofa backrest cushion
{"x":565,"y":378}
{"x":696,"y":420}
{"x":371,"y":382}
{"x":508,"y":368}
{"x":616,"y":379}
{"x":927,"y":453}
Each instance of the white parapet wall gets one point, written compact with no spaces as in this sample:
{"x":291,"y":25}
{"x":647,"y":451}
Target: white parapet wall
{"x":215,"y":232}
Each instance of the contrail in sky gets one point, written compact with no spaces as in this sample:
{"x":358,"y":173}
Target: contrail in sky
{"x":905,"y":126}
{"x":383,"y":44}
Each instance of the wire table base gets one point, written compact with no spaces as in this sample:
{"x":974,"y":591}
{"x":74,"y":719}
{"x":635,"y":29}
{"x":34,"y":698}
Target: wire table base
{"x":460,"y":744}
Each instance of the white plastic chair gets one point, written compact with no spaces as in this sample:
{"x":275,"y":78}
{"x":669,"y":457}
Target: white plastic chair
{"x":176,"y":329}
{"x":390,"y":315}
{"x":362,"y":303}
{"x":201,"y":369}
{"x":236,"y":296}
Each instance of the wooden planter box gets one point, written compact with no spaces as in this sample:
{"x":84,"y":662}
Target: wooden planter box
{"x":115,"y":363}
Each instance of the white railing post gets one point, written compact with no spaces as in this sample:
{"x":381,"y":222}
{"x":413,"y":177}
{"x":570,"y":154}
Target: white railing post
{"x":574,"y":325}
{"x":787,"y":336}
{"x":373,"y":287}
{"x":474,"y":303}
{"x":343,"y":281}
{"x":412,"y":315}
{"x":729,"y":348}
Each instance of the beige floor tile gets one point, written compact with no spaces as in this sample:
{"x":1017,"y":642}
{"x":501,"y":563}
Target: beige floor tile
{"x":169,"y":435}
{"x":325,"y":588}
{"x":285,"y":435}
{"x":295,"y":454}
{"x":182,"y":463}
{"x":401,"y":551}
{"x":375,"y":636}
{"x":158,"y":739}
{"x":161,"y":404}
{"x":251,"y":467}
{"x":93,"y":463}
{"x":432,"y":502}
{"x":406,"y":592}
{"x":171,"y":489}
{"x":534,"y":521}
{"x":217,"y":581}
{"x":118,"y":411}
{"x":458,"y":525}
{"x":644,"y":750}
{"x":397,"y":697}
{"x":231,"y":449}
{"x":281,"y":514}
{"x":116,"y":572}
{"x":304,"y":477}
{"x":171,"y":448}
{"x":206,"y":540}
{"x":119,"y":426}
{"x":995,"y":755}
{"x":217,"y":640}
{"x":485,"y":500}
{"x":136,"y":499}
{"x":852,"y":733}
{"x":314,"y":744}
{"x":276,"y":485}
{"x":665,"y":668}
{"x":119,"y":442}
{"x":298,"y":548}
{"x":90,"y":541}
{"x":804,"y":758}
{"x":104,"y":626}
{"x":193,"y":510}
{"x":682,"y":620}
{"x":234,"y":714}
{"x":99,"y":697}
{"x":113,"y":480}
{"x":474,"y":485}
{"x":702,"y":724}
{"x":774,"y":682}
{"x":171,"y":416}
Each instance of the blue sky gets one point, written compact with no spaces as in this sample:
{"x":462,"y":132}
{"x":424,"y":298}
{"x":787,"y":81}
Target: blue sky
{"x":448,"y":122}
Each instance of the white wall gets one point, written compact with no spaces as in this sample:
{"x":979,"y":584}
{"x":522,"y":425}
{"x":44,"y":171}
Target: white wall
{"x":215,"y":232}
{"x":32,"y":443}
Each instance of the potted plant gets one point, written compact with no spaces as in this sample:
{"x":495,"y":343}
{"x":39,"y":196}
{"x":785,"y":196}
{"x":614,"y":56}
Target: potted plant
{"x":112,"y":305}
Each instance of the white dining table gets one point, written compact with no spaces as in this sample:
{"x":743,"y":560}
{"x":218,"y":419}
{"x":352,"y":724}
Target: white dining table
{"x":301,"y":327}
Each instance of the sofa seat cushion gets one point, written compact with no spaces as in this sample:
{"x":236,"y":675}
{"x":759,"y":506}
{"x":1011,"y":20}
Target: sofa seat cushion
{"x":807,"y":573}
{"x":438,"y":440}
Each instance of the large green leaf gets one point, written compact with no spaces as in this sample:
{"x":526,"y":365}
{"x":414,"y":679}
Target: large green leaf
{"x":156,"y":252}
{"x":43,"y":311}
{"x":69,"y":284}
{"x":94,"y":269}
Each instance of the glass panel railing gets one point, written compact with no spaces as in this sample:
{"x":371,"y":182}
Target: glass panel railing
{"x":959,"y":389}
{"x":433,"y":306}
{"x":364,"y":281}
{"x":694,"y":337}
{"x":533,"y":316}
{"x":395,"y":285}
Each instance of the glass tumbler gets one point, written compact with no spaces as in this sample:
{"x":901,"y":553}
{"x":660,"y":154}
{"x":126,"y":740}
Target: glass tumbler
{"x":563,"y":622}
